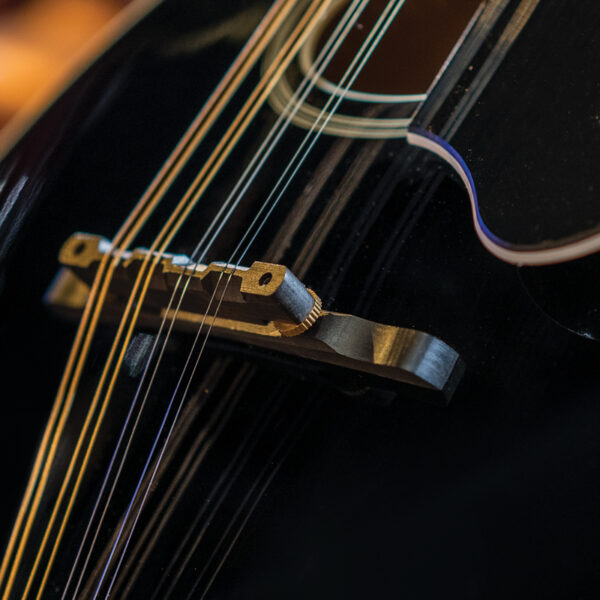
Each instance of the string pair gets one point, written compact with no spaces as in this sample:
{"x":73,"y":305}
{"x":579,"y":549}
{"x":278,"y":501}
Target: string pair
{"x":345,"y":83}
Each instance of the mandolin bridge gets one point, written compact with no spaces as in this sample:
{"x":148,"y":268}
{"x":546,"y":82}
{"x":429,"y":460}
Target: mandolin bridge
{"x":263,"y":305}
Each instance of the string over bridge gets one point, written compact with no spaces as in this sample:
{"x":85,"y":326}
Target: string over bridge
{"x":263,"y":305}
{"x":259,"y":294}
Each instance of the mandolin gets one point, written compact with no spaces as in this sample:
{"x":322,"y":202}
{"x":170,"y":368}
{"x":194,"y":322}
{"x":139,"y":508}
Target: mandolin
{"x":298,"y":301}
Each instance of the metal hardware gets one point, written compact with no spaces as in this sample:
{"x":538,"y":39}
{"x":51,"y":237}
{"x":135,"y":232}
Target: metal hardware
{"x":264,"y":305}
{"x":261,"y":293}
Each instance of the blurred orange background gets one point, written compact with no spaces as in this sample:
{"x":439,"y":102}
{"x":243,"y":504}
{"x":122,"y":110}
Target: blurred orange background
{"x":38,"y":38}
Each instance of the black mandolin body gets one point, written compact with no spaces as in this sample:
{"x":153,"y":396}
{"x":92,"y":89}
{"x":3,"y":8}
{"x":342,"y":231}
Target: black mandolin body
{"x":352,"y":486}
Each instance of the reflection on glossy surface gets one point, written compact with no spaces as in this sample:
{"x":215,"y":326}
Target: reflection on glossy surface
{"x":287,"y":479}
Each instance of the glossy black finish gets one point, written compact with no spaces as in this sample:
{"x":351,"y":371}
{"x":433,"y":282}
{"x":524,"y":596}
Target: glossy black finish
{"x":377,"y":494}
{"x":549,"y":115}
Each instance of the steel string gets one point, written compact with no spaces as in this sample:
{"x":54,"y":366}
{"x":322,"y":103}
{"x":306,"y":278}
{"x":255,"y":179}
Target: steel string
{"x":185,"y":210}
{"x":381,"y":26}
{"x":152,"y":195}
{"x":361,"y":4}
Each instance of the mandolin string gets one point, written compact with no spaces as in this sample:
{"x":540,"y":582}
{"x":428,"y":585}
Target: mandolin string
{"x":153,"y":265}
{"x":218,"y":419}
{"x":156,"y":190}
{"x":113,"y":485}
{"x":200,"y":442}
{"x":126,"y":450}
{"x":324,"y":117}
{"x":180,"y":382}
{"x":310,"y":78}
{"x":393,"y":13}
{"x":218,"y":493}
{"x":212,"y":377}
{"x":104,"y":289}
{"x":382,"y":24}
{"x":173,"y":224}
{"x":183,"y":470}
{"x":177,"y":489}
{"x":349,"y":85}
{"x":398,"y":6}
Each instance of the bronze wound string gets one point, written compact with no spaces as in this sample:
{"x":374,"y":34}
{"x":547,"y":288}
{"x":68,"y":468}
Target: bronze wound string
{"x":304,"y":27}
{"x":36,"y":485}
{"x":324,"y":59}
{"x":353,"y":71}
{"x":162,"y":181}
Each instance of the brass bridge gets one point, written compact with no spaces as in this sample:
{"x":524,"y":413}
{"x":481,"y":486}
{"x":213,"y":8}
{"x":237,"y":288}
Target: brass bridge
{"x":263,"y":305}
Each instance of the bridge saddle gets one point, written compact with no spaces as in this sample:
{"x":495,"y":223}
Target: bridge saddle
{"x":263,"y":305}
